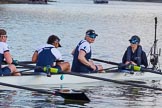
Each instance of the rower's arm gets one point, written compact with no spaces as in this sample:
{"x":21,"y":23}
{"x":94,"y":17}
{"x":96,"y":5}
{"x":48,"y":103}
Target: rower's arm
{"x":35,"y":57}
{"x":82,"y":59}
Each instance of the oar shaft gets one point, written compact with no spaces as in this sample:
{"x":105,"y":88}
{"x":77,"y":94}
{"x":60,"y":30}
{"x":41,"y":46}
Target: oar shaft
{"x":25,"y":70}
{"x":114,"y":81}
{"x":26,"y":65}
{"x":26,"y":62}
{"x":26,"y":88}
{"x":108,"y":62}
{"x":79,"y":96}
{"x":151,"y":71}
{"x":103,"y":79}
{"x":133,"y":67}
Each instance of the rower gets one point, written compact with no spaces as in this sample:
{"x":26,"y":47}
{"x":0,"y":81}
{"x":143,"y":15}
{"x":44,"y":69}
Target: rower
{"x":5,"y":54}
{"x":82,"y":55}
{"x":134,"y":54}
{"x":48,"y":55}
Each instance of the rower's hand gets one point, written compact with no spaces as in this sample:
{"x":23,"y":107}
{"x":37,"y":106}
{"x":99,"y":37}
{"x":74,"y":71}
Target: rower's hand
{"x":130,"y":62}
{"x":133,"y":63}
{"x":93,"y":67}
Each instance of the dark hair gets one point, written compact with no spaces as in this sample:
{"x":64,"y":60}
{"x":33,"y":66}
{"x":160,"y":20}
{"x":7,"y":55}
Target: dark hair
{"x":52,"y":38}
{"x":2,"y":32}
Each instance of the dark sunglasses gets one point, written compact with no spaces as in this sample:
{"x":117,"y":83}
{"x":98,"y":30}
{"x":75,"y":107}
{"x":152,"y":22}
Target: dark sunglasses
{"x":92,"y":36}
{"x":4,"y":36}
{"x":133,"y":42}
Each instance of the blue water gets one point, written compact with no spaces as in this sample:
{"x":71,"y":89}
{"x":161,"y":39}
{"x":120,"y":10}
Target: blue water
{"x":29,"y":25}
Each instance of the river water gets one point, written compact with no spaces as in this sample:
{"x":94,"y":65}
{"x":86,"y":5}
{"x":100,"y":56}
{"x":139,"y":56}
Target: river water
{"x":29,"y":25}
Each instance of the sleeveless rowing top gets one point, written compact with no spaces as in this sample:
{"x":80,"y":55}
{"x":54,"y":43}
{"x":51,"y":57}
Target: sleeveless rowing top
{"x":45,"y":57}
{"x":3,"y":48}
{"x":77,"y":66}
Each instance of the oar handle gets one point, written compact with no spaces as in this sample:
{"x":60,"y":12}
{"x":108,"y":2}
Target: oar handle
{"x":129,"y":66}
{"x":45,"y":68}
{"x":138,"y":68}
{"x":134,"y":67}
{"x":51,"y":70}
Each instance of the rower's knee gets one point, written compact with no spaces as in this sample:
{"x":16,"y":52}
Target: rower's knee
{"x":65,"y":66}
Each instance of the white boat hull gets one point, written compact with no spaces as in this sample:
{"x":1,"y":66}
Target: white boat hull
{"x":32,"y":80}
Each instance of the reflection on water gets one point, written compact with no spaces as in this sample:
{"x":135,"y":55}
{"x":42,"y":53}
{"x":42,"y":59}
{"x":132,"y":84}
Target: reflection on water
{"x":124,"y":96}
{"x":101,"y":95}
{"x":28,"y":26}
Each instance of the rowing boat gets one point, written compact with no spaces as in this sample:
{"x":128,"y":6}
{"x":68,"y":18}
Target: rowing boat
{"x":30,"y":79}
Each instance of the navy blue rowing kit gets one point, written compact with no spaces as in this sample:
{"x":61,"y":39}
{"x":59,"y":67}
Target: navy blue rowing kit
{"x":5,"y":71}
{"x":139,"y":56}
{"x":47,"y":56}
{"x":77,"y":66}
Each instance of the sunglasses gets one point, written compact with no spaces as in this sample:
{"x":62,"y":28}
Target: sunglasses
{"x":92,"y":36}
{"x":134,"y":42}
{"x":4,"y":36}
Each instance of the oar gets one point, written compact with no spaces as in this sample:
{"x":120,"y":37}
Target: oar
{"x":75,"y":96}
{"x":26,"y":65}
{"x":108,"y":62}
{"x":25,"y":70}
{"x":16,"y":62}
{"x":111,"y":80}
{"x":26,"y":62}
{"x":105,"y":79}
{"x":53,"y":70}
{"x":138,"y":68}
{"x":135,"y":68}
{"x":30,"y":62}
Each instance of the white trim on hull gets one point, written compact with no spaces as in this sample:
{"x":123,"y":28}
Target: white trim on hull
{"x":31,"y":80}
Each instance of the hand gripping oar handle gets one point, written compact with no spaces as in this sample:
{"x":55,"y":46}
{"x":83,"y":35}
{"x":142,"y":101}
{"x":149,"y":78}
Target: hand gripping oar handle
{"x":133,"y":67}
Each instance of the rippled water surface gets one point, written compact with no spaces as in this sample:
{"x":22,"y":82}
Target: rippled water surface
{"x":29,"y":25}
